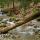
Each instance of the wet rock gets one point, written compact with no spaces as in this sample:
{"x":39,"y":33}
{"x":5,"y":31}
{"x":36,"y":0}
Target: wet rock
{"x":23,"y":32}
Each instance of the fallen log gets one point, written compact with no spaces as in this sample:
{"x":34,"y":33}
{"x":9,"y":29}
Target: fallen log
{"x":27,"y":18}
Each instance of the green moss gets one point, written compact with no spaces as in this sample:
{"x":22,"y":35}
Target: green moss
{"x":34,"y":11}
{"x":13,"y":18}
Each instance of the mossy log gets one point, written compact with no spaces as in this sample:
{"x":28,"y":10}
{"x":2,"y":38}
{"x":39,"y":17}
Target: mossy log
{"x":27,"y":18}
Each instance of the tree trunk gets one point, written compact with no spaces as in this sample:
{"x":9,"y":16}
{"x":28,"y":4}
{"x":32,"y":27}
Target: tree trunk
{"x":27,"y":18}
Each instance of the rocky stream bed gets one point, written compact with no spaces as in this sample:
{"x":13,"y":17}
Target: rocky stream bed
{"x":28,"y":31}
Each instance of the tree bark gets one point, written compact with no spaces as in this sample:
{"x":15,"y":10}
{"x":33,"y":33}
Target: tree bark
{"x":27,"y":18}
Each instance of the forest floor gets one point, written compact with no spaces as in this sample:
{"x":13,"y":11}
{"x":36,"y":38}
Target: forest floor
{"x":27,"y":31}
{"x":21,"y":33}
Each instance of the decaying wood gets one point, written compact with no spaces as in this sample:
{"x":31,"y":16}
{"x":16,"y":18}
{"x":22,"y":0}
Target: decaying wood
{"x":27,"y":18}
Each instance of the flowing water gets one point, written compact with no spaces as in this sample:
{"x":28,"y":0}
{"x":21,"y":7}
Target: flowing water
{"x":28,"y":31}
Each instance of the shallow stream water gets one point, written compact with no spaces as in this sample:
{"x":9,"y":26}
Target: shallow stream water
{"x":24,"y":32}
